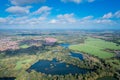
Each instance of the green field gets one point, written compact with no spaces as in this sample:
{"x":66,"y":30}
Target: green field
{"x":20,"y":63}
{"x":24,"y":46}
{"x":96,"y":47}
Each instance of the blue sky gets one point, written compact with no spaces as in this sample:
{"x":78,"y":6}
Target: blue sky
{"x":60,"y":14}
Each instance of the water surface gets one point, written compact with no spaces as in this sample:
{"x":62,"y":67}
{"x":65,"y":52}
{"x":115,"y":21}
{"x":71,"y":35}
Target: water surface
{"x":65,"y":45}
{"x":77,"y":55}
{"x":55,"y":67}
{"x":7,"y":78}
{"x":73,"y":54}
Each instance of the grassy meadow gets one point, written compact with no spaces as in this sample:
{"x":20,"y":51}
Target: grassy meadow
{"x":19,"y":64}
{"x":96,"y":47}
{"x":24,"y":46}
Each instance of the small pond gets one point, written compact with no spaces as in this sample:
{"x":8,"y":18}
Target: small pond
{"x":77,"y":55}
{"x":7,"y":78}
{"x":73,"y":54}
{"x":65,"y":45}
{"x":55,"y":67}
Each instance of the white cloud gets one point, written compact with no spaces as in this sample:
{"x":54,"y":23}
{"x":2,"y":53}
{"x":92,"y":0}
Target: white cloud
{"x":44,"y":10}
{"x":77,"y":1}
{"x":53,"y":21}
{"x":112,"y":15}
{"x":87,"y":18}
{"x":27,"y":20}
{"x":2,"y":20}
{"x":104,"y":21}
{"x":61,"y":20}
{"x":66,"y":18}
{"x":18,"y":10}
{"x":108,"y":15}
{"x":25,"y":2}
{"x":117,"y":14}
{"x":31,"y":18}
{"x":22,"y":20}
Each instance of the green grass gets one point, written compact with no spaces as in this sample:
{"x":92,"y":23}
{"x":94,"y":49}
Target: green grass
{"x":20,"y":63}
{"x":96,"y":47}
{"x":24,"y":46}
{"x":102,"y":44}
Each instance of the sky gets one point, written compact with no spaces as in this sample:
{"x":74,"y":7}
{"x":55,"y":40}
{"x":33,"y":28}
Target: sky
{"x":60,"y":14}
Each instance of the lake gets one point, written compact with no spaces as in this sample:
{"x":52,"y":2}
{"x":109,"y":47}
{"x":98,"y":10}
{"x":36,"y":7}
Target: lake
{"x":55,"y":67}
{"x":73,"y":54}
{"x":65,"y":45}
{"x":7,"y":78}
{"x":77,"y":55}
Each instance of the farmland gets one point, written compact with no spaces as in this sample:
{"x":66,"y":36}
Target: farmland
{"x":20,"y":63}
{"x":96,"y":47}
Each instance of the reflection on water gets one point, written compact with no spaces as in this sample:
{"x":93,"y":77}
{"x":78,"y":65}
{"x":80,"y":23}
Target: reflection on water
{"x":77,"y":55}
{"x":55,"y":67}
{"x":73,"y":54}
{"x":7,"y":78}
{"x":65,"y":45}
